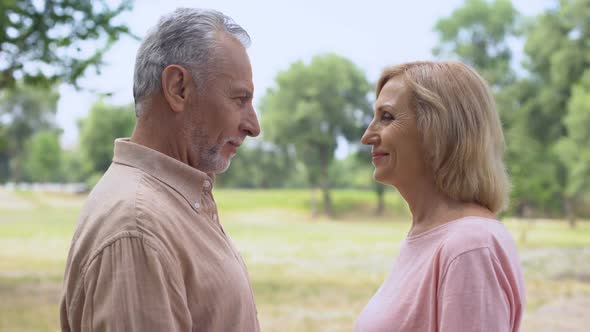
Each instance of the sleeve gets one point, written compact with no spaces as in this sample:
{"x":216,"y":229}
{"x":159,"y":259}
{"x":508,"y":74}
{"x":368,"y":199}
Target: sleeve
{"x":472,"y":295}
{"x":128,"y":287}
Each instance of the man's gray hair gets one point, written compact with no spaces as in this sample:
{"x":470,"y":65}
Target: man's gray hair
{"x":185,"y":37}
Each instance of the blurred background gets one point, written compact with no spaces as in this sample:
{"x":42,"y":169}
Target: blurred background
{"x":318,"y":235}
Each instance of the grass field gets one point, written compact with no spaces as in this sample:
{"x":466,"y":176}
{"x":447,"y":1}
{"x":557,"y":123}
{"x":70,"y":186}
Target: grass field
{"x":308,"y":274}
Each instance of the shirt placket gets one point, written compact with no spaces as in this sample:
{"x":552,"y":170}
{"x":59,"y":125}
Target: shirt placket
{"x":211,"y":211}
{"x":210,"y":206}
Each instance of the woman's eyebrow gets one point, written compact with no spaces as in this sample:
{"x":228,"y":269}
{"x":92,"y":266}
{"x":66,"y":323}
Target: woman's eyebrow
{"x":385,"y":107}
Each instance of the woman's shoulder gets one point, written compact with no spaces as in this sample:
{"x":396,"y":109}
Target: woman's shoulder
{"x":476,"y":233}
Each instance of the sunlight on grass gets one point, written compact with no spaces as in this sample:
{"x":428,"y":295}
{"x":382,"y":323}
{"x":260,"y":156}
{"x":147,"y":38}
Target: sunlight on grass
{"x":308,"y":274}
{"x":345,"y":201}
{"x":548,"y":233}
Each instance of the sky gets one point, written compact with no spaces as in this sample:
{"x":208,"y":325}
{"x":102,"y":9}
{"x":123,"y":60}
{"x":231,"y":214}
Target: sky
{"x":371,"y":33}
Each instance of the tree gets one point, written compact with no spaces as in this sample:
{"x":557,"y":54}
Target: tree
{"x":363,"y":158}
{"x":43,"y":42}
{"x":573,"y":148}
{"x":43,"y":157}
{"x":557,"y":48}
{"x":477,"y":33}
{"x":24,"y":110}
{"x":310,"y":107}
{"x":258,"y":165}
{"x":356,"y":171}
{"x":98,"y":131}
{"x":532,"y":107}
{"x":75,"y":167}
{"x":4,"y":157}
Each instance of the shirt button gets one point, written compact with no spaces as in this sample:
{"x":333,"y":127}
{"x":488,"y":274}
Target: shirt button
{"x":197,"y":205}
{"x":207,"y":185}
{"x":215,"y":216}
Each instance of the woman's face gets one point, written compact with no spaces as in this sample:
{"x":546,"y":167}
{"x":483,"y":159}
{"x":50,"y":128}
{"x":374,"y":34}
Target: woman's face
{"x":398,"y":154}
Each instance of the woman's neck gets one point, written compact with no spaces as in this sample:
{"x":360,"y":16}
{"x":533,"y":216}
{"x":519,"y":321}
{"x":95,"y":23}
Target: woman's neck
{"x":430,"y":208}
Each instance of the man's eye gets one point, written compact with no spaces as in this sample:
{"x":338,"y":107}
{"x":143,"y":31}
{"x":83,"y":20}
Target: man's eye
{"x":243,"y":100}
{"x":387,"y":117}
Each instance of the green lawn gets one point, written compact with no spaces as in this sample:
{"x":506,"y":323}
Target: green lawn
{"x":308,"y":274}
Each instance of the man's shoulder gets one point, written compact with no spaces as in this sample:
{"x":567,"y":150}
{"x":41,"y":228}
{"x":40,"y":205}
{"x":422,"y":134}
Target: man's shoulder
{"x":126,"y":191}
{"x":121,"y":197}
{"x":114,"y":195}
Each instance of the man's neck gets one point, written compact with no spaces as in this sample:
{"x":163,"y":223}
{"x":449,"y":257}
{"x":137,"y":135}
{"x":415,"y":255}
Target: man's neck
{"x":158,"y":130}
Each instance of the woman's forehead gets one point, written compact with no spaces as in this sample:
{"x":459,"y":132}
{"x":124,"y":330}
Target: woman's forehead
{"x":392,"y":94}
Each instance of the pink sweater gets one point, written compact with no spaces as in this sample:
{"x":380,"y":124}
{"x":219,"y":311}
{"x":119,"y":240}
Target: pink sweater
{"x":462,"y":276}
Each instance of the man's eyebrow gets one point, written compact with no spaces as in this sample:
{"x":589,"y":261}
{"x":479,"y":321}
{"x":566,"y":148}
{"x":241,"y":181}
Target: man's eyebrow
{"x":245,"y":92}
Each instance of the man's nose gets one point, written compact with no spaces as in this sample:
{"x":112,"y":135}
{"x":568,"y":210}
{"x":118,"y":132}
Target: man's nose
{"x":250,"y":125}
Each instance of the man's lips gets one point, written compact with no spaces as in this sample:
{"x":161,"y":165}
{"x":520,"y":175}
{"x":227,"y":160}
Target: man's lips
{"x":236,"y":144}
{"x":233,"y":145}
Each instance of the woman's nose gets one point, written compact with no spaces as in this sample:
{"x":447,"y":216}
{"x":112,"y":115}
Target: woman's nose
{"x":370,"y":137}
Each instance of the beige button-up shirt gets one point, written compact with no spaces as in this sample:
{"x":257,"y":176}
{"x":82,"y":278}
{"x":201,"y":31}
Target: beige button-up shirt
{"x":149,"y":254}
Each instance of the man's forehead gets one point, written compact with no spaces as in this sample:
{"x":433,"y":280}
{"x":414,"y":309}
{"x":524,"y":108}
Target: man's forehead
{"x":228,"y":51}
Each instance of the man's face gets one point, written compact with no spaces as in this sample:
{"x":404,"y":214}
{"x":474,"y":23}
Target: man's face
{"x":222,"y":114}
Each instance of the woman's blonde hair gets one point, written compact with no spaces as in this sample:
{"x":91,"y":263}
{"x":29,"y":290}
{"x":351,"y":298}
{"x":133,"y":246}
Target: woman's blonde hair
{"x":461,"y":130}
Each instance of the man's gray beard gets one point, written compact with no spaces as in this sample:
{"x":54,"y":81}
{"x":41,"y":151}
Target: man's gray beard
{"x":212,"y":162}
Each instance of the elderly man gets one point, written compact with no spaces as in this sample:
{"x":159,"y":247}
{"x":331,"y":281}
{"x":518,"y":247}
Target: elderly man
{"x":149,"y":253}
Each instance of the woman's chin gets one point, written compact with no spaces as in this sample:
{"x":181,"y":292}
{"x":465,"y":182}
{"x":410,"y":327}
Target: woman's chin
{"x":382,"y":177}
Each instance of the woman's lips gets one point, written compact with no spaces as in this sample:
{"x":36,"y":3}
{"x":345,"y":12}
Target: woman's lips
{"x":379,"y":156}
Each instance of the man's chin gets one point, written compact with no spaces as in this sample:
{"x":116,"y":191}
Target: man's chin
{"x":222,"y":166}
{"x":216,"y":165}
{"x":225,"y":168}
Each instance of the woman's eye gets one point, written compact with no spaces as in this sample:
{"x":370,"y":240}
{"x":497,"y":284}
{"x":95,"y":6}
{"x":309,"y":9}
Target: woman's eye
{"x":387,"y":116}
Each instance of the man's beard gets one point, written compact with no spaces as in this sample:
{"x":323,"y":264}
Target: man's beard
{"x":211,"y":161}
{"x":210,"y":158}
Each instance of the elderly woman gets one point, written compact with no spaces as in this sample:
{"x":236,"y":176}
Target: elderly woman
{"x":436,"y":137}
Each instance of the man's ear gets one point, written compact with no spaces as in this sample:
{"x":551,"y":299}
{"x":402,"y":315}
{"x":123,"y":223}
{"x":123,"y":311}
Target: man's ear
{"x":175,"y":81}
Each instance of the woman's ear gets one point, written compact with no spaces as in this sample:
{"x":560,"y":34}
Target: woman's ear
{"x":175,"y":80}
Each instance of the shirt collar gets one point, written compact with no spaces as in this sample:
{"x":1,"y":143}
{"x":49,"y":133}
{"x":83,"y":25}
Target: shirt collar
{"x":188,"y":181}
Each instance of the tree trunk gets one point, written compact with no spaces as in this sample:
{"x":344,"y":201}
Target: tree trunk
{"x":569,"y":211}
{"x":327,"y":202}
{"x":314,"y":203}
{"x":380,"y":190}
{"x":17,"y":169}
{"x":325,"y":183}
